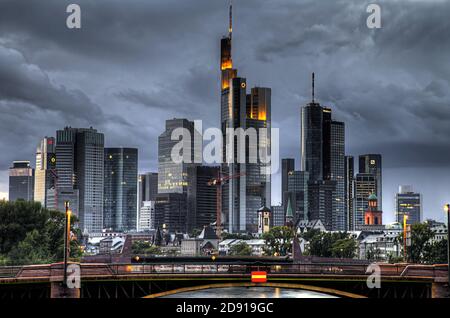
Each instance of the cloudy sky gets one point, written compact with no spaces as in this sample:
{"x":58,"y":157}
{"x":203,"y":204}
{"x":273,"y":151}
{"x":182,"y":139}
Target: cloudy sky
{"x":135,"y":63}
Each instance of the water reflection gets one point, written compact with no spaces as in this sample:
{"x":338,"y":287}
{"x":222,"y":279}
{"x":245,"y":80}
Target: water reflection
{"x":250,"y":292}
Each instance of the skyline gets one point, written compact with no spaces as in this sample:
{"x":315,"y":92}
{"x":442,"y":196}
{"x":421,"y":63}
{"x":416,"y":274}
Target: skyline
{"x":38,"y":71}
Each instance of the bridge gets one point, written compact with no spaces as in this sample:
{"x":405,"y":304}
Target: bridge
{"x":133,"y":280}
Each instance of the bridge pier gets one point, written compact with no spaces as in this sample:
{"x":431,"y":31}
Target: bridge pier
{"x":440,"y":289}
{"x":57,"y":290}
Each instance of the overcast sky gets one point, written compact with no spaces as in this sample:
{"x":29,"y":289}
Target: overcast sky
{"x":136,"y":63}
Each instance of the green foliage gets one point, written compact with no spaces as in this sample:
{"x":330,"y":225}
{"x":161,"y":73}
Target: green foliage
{"x":241,"y":249}
{"x":278,"y":240}
{"x":31,"y":234}
{"x":436,"y":253}
{"x":145,"y":248}
{"x":339,"y":244}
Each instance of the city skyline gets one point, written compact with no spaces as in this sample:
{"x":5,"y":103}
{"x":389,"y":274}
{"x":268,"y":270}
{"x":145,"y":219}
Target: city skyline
{"x":85,"y":108}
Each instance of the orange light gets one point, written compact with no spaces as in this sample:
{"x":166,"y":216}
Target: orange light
{"x":262,"y":115}
{"x":259,"y":277}
{"x":227,"y":64}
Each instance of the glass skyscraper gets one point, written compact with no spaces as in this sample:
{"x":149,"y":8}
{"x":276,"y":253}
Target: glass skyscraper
{"x":45,"y":169}
{"x":21,"y":181}
{"x":410,"y":203}
{"x":371,"y":163}
{"x":120,"y":194}
{"x":80,"y":170}
{"x":245,"y":195}
{"x":349,"y":190}
{"x":365,"y":185}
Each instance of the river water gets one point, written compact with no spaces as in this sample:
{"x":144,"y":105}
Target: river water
{"x":251,"y":292}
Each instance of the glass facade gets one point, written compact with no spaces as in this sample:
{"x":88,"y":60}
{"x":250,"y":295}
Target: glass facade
{"x":337,"y":173}
{"x":410,"y":203}
{"x":45,"y":169}
{"x":21,"y":181}
{"x":349,"y":191}
{"x":365,"y":185}
{"x":120,"y":194}
{"x":371,"y":163}
{"x":297,"y":191}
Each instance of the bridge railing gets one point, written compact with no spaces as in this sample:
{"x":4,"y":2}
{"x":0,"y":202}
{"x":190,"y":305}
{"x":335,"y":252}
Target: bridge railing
{"x":9,"y":271}
{"x":303,"y":269}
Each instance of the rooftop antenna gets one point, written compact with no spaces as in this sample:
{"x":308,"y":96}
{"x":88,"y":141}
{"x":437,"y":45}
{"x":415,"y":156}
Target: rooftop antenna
{"x":230,"y":27}
{"x":313,"y":87}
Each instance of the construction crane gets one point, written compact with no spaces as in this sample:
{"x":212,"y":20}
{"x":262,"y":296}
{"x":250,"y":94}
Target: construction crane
{"x":218,"y":182}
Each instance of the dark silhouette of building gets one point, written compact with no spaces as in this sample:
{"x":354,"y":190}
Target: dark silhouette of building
{"x":371,"y":163}
{"x":410,"y":203}
{"x":349,"y":191}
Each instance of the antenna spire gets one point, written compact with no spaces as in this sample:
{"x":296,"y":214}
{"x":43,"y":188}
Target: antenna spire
{"x":313,"y":87}
{"x":230,"y":27}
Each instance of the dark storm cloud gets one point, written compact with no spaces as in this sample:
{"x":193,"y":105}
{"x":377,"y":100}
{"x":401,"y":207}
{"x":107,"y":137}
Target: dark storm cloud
{"x":136,"y":63}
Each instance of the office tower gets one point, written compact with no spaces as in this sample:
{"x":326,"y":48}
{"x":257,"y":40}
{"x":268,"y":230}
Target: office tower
{"x":44,"y":178}
{"x":297,"y":192}
{"x":80,"y":170}
{"x":371,"y":163}
{"x":287,"y":166}
{"x":171,"y":212}
{"x":243,"y":196}
{"x":120,"y":189}
{"x":365,"y":185}
{"x":410,"y":203}
{"x":337,"y":174}
{"x":349,"y":190}
{"x":201,"y":197}
{"x":322,"y":155}
{"x":148,"y":187}
{"x":147,"y":216}
{"x":321,"y":203}
{"x":278,"y":213}
{"x":21,"y":181}
{"x":172,"y":175}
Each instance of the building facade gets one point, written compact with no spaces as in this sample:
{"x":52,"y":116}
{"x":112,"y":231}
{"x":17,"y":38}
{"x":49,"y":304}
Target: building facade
{"x":21,"y":181}
{"x":349,"y":191}
{"x":171,"y":212}
{"x":80,"y":171}
{"x":408,"y":202}
{"x":365,"y":185}
{"x":371,"y":163}
{"x":147,"y":187}
{"x":120,"y":189}
{"x":45,"y":169}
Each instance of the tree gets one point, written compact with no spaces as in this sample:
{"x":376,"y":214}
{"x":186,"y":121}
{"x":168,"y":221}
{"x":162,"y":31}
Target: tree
{"x":436,"y":253}
{"x":278,"y":240}
{"x":344,"y":248}
{"x":421,"y":235}
{"x":339,"y":244}
{"x":31,"y":234}
{"x":145,"y":248}
{"x":241,"y":249}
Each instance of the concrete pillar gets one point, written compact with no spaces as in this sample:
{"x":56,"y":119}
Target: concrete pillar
{"x":58,"y":291}
{"x":440,"y":290}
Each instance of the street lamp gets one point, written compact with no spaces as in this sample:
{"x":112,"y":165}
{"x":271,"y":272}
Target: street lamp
{"x":405,"y":218}
{"x":66,"y":240}
{"x":447,"y":210}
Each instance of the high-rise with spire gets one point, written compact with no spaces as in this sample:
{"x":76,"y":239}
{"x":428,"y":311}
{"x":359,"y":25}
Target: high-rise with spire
{"x":323,"y":157}
{"x":243,"y":196}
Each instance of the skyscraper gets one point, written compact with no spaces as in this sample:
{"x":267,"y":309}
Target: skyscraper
{"x":371,"y":163}
{"x":120,"y":189}
{"x":172,"y":175}
{"x":322,"y":155}
{"x":148,"y":187}
{"x":297,"y":192}
{"x":365,"y":185}
{"x":244,"y":196}
{"x":171,"y":212}
{"x":287,"y":165}
{"x":21,"y":181}
{"x":201,"y":197}
{"x":45,"y":169}
{"x":349,"y":190}
{"x":410,"y":203}
{"x":80,"y":170}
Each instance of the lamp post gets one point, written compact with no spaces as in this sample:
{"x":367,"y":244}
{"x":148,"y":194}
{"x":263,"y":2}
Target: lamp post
{"x":405,"y":218}
{"x":66,"y":240}
{"x":447,"y":210}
